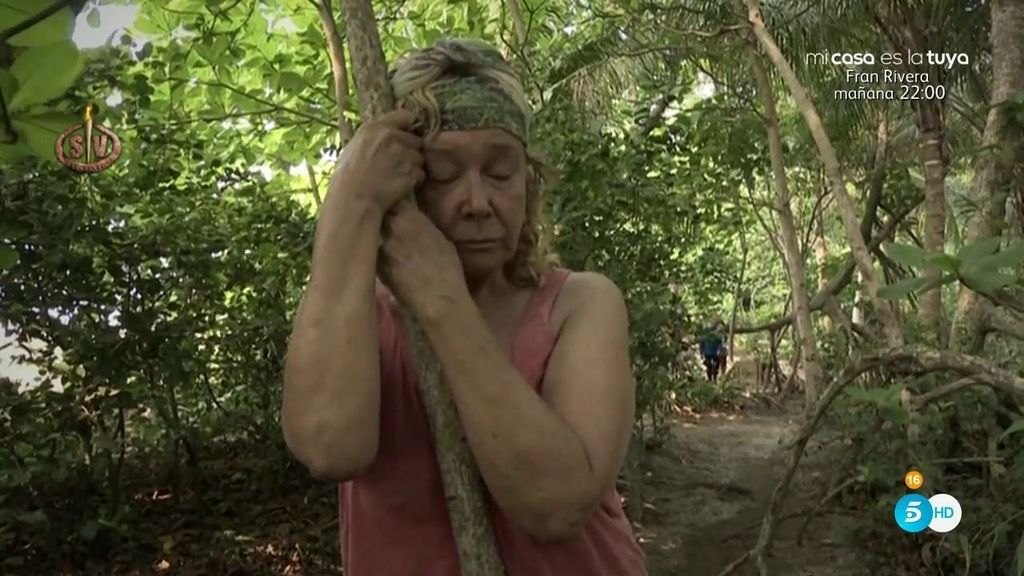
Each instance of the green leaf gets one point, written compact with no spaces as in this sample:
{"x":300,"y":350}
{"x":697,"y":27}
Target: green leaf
{"x":89,"y":530}
{"x":291,"y":81}
{"x":901,"y":288}
{"x":8,"y":257}
{"x":936,"y":282}
{"x":1020,"y":557}
{"x":986,"y":282}
{"x":40,"y":131}
{"x":908,"y":255}
{"x":11,"y":153}
{"x":11,"y":231}
{"x":35,"y":517}
{"x":1009,"y":257}
{"x":8,"y":86}
{"x":147,"y":25}
{"x":93,"y":18}
{"x":965,"y":545}
{"x":45,"y":72}
{"x":54,"y":28}
{"x":972,"y":252}
{"x":943,"y":262}
{"x":8,"y":83}
{"x":1014,"y":428}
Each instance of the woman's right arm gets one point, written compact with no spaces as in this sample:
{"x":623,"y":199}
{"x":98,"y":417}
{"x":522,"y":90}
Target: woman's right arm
{"x":331,"y":408}
{"x":331,"y":404}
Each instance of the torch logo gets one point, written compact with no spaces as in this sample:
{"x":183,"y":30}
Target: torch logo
{"x":88,"y":147}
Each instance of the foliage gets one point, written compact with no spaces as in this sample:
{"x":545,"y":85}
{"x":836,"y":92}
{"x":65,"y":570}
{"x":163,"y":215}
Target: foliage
{"x":155,"y":298}
{"x":979,"y":265}
{"x":160,"y":293}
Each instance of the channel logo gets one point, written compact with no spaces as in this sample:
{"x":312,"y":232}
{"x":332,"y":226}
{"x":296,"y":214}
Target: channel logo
{"x":914,"y":512}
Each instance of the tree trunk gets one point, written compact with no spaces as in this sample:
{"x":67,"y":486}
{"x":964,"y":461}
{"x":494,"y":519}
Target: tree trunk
{"x":820,"y":252}
{"x":369,"y":69}
{"x":463,"y":488}
{"x":809,"y":359}
{"x":930,"y":141}
{"x":738,"y":294}
{"x":993,"y":171}
{"x":862,"y":257}
{"x":857,"y":316}
{"x":905,"y":34}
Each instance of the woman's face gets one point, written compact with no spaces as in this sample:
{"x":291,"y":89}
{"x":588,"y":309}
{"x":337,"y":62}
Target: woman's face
{"x":475,"y":193}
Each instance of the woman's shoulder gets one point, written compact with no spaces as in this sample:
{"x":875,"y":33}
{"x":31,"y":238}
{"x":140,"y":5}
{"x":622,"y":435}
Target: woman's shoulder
{"x":582,"y":290}
{"x":586,"y":284}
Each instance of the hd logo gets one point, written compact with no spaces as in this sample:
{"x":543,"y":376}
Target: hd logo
{"x":914,"y":512}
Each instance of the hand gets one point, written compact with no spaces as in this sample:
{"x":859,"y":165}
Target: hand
{"x":382,"y":164}
{"x":418,"y":264}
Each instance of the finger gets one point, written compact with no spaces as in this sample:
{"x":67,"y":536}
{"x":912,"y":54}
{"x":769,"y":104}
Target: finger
{"x":405,"y":161}
{"x":407,"y":140}
{"x":401,"y":210}
{"x":414,"y":158}
{"x":387,"y":253}
{"x":398,"y":217}
{"x":398,"y":221}
{"x":420,"y":175}
{"x":401,"y":119}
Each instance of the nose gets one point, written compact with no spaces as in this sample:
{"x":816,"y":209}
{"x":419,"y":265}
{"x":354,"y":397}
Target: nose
{"x":477,"y":202}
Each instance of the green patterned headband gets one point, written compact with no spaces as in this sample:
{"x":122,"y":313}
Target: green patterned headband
{"x":474,"y":102}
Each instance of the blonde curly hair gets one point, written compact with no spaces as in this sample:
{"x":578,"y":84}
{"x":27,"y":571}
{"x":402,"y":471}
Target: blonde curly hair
{"x":415,"y":78}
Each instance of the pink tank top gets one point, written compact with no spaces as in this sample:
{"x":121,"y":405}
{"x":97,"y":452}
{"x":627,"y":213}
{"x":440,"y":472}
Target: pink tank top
{"x":393,"y":517}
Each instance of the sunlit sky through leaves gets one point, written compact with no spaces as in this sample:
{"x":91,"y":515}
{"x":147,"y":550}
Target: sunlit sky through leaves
{"x":114,"y":22}
{"x":113,"y":19}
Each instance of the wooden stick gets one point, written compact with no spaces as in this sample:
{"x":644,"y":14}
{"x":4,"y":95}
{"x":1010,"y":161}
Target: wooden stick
{"x":463,"y":488}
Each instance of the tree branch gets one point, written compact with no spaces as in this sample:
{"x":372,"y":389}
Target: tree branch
{"x":22,"y":26}
{"x":221,"y":117}
{"x":771,"y":232}
{"x":628,"y":54}
{"x":10,"y":136}
{"x":702,"y":34}
{"x":1007,"y":299}
{"x":867,"y":223}
{"x":943,"y":391}
{"x":1004,"y":322}
{"x":837,"y":283}
{"x":858,"y":245}
{"x":922,"y":359}
{"x":336,"y":52}
{"x":518,"y":24}
{"x":797,"y":448}
{"x":312,"y":183}
{"x":299,"y":95}
{"x":265,"y":102}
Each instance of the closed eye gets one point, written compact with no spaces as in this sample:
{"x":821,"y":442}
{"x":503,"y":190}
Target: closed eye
{"x":499,"y":175}
{"x":501,"y":171}
{"x":443,"y":178}
{"x":442,"y":175}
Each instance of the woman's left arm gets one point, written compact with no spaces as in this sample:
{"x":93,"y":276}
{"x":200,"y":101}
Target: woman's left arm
{"x":547,"y":461}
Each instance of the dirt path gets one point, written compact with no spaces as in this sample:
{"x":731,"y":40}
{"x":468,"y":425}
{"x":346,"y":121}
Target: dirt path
{"x":707,"y":488}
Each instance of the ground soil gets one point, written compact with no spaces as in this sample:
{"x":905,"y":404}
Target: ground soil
{"x":703,"y":493}
{"x":707,"y":488}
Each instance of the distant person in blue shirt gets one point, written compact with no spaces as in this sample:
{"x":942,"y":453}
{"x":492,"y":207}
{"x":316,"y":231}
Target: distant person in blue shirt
{"x":712,"y":349}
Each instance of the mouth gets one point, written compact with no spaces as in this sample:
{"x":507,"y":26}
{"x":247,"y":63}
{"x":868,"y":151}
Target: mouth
{"x":477,"y":244}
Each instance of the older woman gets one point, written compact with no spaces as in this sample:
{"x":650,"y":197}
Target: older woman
{"x":537,"y":358}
